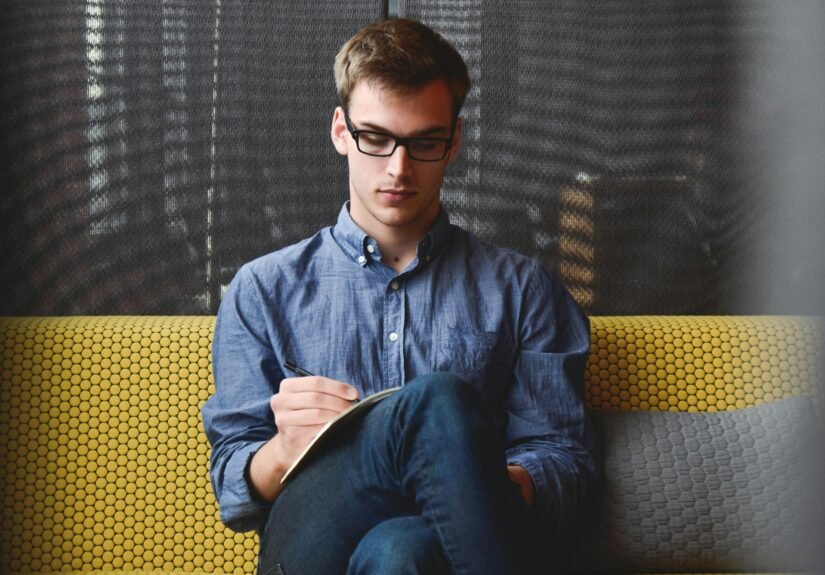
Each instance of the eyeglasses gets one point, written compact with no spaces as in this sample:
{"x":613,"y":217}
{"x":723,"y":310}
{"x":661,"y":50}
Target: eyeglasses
{"x":383,"y":145}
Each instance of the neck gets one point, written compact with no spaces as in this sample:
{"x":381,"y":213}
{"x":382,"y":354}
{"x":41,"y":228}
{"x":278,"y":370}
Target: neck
{"x":398,"y":253}
{"x":398,"y":244}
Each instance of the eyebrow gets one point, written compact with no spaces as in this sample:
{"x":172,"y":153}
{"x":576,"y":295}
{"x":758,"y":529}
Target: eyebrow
{"x":417,"y":134}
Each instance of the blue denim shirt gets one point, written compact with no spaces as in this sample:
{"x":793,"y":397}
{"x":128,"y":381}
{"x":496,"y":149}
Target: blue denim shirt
{"x":328,"y":303}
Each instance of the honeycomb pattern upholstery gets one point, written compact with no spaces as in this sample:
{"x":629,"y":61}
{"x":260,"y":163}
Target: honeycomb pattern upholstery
{"x":106,"y":459}
{"x":701,"y":363}
{"x":725,"y":490}
{"x":105,"y":465}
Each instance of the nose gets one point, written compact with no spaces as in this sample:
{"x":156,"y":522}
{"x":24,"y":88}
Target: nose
{"x":400,"y":162}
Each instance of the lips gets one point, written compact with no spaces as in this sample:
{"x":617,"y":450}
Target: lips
{"x":396,"y":195}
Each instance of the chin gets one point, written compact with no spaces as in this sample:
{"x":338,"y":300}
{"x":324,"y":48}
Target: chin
{"x":397,"y":221}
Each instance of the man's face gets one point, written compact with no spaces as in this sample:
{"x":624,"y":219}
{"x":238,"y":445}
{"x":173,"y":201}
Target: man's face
{"x":396,"y":195}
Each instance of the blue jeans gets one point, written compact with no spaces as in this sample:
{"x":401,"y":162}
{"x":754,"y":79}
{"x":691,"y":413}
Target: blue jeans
{"x":418,"y":485}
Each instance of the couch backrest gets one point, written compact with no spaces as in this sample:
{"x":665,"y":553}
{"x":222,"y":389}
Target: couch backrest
{"x":106,"y":459}
{"x":735,"y":490}
{"x":105,"y":463}
{"x":701,"y":363}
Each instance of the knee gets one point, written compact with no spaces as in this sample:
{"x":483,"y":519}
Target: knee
{"x":404,"y":545}
{"x":445,"y":405}
{"x":445,"y":390}
{"x":458,"y":401}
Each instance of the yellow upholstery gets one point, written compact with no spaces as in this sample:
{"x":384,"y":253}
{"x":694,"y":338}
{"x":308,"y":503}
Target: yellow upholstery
{"x":700,"y":363}
{"x":105,"y":455}
{"x":105,"y":464}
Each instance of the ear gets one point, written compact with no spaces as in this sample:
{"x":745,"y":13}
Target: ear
{"x":456,"y":146}
{"x":338,"y":132}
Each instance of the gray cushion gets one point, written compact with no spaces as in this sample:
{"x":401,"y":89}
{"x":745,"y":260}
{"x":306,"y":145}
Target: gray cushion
{"x":706,"y":491}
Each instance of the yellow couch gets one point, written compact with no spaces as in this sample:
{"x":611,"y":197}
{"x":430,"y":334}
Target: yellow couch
{"x":105,"y":464}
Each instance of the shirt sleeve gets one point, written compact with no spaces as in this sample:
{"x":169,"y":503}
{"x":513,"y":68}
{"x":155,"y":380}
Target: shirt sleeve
{"x":547,"y":428}
{"x":237,"y":418}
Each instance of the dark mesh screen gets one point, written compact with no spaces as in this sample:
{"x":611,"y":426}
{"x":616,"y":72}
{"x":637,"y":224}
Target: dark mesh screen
{"x":604,"y":131}
{"x":150,"y":148}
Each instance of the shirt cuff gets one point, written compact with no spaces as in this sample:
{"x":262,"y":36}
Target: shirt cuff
{"x":528,"y":460}
{"x":240,"y":509}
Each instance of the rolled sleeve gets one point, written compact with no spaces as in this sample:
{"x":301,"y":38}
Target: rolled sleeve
{"x":240,"y":510}
{"x":547,"y":431}
{"x":237,"y":418}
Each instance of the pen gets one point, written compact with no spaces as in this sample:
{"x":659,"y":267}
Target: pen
{"x":302,"y":372}
{"x":295,"y":369}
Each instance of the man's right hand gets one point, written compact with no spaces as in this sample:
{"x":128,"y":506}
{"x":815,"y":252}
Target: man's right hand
{"x":302,"y":406}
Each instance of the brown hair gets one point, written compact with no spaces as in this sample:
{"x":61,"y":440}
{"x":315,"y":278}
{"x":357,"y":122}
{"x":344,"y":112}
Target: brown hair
{"x":400,"y":55}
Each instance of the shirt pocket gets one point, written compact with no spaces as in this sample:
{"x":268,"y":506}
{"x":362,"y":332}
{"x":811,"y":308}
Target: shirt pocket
{"x":483,"y":359}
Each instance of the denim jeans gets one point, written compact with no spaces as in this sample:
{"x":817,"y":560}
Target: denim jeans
{"x":418,"y":485}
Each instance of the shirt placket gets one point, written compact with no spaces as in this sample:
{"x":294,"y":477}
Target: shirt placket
{"x":394,"y":327}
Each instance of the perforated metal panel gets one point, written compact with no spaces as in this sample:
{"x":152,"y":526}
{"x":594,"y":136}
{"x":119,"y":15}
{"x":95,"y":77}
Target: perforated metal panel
{"x":628,"y":145}
{"x":148,"y":148}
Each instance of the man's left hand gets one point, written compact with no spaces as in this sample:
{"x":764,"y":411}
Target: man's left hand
{"x":520,"y":477}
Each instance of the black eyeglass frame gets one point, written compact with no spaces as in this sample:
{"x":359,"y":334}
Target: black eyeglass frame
{"x":400,"y":141}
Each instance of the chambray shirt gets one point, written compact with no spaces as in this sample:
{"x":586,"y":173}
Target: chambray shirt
{"x":328,"y":303}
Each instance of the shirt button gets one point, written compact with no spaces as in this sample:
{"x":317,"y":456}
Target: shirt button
{"x":393,"y":336}
{"x":395,"y":285}
{"x":361,"y":259}
{"x":371,"y":249}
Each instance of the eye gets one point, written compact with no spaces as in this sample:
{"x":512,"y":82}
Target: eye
{"x":426,"y":145}
{"x":375,"y":140}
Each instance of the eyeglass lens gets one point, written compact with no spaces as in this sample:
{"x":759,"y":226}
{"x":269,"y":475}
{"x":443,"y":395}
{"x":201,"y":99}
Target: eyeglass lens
{"x":426,"y":149}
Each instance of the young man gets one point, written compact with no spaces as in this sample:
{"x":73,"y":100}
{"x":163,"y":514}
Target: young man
{"x":483,"y":457}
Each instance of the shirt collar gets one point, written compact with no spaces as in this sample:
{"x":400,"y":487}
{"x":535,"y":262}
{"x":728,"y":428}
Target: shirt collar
{"x":361,"y":247}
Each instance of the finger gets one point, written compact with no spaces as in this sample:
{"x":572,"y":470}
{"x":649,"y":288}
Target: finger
{"x":303,"y":417}
{"x":319,"y":384}
{"x":309,"y":400}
